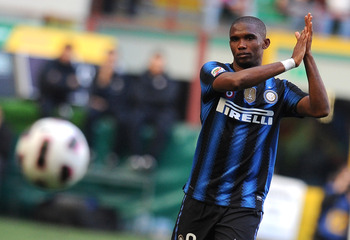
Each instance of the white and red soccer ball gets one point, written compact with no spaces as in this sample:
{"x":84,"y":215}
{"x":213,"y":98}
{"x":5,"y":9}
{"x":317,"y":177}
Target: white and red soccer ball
{"x":53,"y":153}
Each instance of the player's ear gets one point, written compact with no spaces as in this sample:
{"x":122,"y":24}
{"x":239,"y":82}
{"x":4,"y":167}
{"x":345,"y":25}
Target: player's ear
{"x":266,"y":43}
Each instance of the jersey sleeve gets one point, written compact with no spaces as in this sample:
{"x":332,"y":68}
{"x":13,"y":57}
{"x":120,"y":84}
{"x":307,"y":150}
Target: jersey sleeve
{"x":209,"y":72}
{"x":293,"y":95}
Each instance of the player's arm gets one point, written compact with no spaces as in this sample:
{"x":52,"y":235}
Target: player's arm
{"x":233,"y":81}
{"x":316,"y":104}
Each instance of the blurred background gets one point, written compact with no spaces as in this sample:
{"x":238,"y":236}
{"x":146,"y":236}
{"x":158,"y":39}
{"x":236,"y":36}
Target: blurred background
{"x":132,"y":86}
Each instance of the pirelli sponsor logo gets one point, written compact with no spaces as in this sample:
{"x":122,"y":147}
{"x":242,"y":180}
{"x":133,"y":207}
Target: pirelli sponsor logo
{"x":250,"y":115}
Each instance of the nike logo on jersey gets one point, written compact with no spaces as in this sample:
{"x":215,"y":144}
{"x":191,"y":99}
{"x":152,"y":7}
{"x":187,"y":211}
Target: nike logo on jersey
{"x":250,"y":115}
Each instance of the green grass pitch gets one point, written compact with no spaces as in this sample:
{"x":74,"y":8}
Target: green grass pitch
{"x":15,"y":229}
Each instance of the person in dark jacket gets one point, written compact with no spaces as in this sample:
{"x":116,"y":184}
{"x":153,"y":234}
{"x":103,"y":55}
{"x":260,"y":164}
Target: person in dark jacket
{"x":57,"y":81}
{"x":108,"y":98}
{"x":155,"y":99}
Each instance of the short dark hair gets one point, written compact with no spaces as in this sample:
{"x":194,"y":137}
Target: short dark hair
{"x":252,"y":20}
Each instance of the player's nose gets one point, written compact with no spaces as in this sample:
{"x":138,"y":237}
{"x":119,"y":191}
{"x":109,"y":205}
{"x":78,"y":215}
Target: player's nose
{"x":241,"y":44}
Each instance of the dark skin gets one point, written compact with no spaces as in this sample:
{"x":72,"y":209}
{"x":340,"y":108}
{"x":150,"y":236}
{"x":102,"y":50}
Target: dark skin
{"x":247,"y":45}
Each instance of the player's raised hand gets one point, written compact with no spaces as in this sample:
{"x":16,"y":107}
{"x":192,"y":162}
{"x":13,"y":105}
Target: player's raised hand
{"x":309,"y":28}
{"x":300,"y":47}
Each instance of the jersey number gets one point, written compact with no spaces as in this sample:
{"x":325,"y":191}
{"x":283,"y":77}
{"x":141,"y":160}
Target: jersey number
{"x":191,"y":236}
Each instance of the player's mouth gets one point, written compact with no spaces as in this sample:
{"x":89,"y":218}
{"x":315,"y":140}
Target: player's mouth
{"x":243,"y":55}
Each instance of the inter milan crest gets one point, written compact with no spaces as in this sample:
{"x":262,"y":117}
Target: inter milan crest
{"x":250,"y":95}
{"x":270,"y":96}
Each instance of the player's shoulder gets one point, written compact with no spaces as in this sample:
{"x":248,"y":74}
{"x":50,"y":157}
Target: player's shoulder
{"x":277,"y":81}
{"x":214,"y":68}
{"x":213,"y":64}
{"x":283,"y":82}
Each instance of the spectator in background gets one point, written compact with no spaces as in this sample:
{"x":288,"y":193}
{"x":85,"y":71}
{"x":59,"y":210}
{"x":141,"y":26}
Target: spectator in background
{"x":108,"y":97}
{"x":130,"y":7}
{"x":155,"y":99}
{"x":334,"y":217}
{"x":295,"y":10}
{"x":337,"y":18}
{"x":57,"y":81}
{"x":6,"y":136}
{"x":212,"y":11}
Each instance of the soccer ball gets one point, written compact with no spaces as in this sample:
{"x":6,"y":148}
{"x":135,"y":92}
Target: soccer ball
{"x":53,"y":153}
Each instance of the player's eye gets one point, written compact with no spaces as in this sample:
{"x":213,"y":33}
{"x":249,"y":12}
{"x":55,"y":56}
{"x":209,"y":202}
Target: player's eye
{"x":250,"y":37}
{"x":233,"y":39}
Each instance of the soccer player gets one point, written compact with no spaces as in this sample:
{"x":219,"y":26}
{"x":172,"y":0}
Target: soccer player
{"x":242,"y":104}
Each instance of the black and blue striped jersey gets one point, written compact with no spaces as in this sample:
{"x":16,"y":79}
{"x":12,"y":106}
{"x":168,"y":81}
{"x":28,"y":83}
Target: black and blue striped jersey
{"x":236,"y":149}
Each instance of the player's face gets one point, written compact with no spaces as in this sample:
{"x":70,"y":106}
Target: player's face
{"x":247,"y":45}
